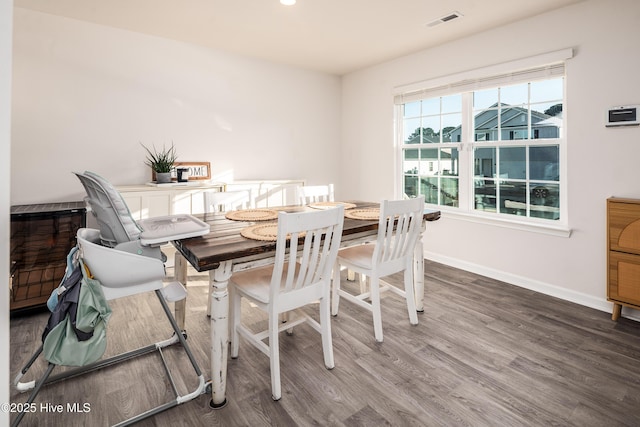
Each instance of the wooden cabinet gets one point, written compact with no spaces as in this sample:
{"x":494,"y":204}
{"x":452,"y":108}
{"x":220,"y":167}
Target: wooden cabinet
{"x":41,"y":237}
{"x":623,"y":255}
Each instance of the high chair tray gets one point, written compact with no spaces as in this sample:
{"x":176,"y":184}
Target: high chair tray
{"x":162,"y":229}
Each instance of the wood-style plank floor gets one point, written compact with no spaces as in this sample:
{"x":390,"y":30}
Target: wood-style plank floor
{"x":484,"y":354}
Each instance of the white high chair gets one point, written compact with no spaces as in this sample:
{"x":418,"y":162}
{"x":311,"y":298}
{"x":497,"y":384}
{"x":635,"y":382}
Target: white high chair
{"x":125,"y":257}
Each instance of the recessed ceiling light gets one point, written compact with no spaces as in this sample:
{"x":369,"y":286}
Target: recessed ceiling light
{"x":288,"y":2}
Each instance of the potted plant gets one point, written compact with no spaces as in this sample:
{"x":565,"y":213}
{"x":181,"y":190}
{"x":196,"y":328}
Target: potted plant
{"x":161,"y":162}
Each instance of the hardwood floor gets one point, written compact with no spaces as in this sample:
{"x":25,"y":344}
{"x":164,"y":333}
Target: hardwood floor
{"x":484,"y":354}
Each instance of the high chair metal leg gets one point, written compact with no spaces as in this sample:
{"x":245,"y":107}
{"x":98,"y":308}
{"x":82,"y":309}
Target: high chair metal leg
{"x":178,"y":337}
{"x":34,"y":393}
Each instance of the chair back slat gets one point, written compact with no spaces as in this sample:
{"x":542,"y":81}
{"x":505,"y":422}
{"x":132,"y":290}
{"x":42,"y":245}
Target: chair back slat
{"x":399,"y":227}
{"x":315,"y":193}
{"x":223,"y":201}
{"x":312,"y":240}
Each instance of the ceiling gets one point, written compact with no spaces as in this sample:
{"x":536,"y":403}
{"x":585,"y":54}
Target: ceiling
{"x":333,"y":36}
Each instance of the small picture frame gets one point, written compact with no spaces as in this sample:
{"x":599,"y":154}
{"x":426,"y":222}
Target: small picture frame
{"x":198,"y":171}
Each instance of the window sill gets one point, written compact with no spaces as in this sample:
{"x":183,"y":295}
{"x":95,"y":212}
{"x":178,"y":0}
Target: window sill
{"x":555,"y":229}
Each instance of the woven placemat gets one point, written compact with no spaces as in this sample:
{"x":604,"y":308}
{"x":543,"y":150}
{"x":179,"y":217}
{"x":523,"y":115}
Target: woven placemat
{"x":329,"y":205}
{"x":252,"y":215}
{"x":364,"y":214}
{"x":265,"y":232}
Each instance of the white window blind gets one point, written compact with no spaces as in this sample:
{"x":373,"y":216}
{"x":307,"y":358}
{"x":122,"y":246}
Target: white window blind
{"x":553,"y":65}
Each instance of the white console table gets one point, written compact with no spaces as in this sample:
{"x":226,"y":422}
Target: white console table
{"x":146,"y":201}
{"x":269,"y":193}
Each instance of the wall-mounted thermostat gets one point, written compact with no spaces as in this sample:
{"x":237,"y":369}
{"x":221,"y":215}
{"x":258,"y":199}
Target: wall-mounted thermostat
{"x":623,"y":116}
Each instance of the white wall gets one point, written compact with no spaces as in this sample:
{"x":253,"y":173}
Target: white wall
{"x":85,"y":96}
{"x":6,"y":7}
{"x":603,"y":162}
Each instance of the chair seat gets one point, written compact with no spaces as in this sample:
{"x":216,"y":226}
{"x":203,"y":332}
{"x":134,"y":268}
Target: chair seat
{"x":255,"y":283}
{"x":357,"y":257}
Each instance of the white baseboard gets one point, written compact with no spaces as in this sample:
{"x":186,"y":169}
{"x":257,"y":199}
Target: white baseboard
{"x":534,"y":285}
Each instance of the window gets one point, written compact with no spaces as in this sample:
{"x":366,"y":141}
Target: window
{"x":432,"y":171}
{"x":493,"y":147}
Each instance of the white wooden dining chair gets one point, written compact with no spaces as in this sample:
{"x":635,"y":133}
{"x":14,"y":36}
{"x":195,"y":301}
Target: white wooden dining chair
{"x":315,"y":193}
{"x":392,"y":252}
{"x":299,"y":276}
{"x":223,"y":201}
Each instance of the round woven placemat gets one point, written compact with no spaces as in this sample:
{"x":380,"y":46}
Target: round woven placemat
{"x":252,"y":215}
{"x":266,"y":232}
{"x":329,"y":205}
{"x":365,"y":214}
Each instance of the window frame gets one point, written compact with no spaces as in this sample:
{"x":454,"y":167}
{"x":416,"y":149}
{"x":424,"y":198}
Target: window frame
{"x":541,"y":67}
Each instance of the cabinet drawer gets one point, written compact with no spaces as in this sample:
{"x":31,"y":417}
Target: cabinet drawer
{"x":624,"y":226}
{"x":624,"y":278}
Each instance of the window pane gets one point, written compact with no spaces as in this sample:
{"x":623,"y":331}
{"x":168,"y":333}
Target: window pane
{"x":544,"y":163}
{"x":514,"y":123}
{"x":546,"y":120}
{"x":486,"y":125}
{"x":547,"y":90}
{"x":513,"y":197}
{"x":485,"y":98}
{"x":411,"y":185}
{"x":430,"y":129}
{"x":449,"y":161}
{"x":430,"y":107}
{"x":451,"y":127}
{"x":485,"y":195}
{"x":452,"y":104}
{"x":412,"y":109}
{"x":513,"y":163}
{"x":453,"y":135}
{"x":545,"y":201}
{"x":429,"y":162}
{"x":429,"y":187}
{"x":411,"y":161}
{"x":449,"y":192}
{"x":515,"y":95}
{"x":411,"y":131}
{"x":485,"y":162}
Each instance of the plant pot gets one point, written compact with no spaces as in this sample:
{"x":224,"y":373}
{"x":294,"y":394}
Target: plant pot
{"x":163,"y":177}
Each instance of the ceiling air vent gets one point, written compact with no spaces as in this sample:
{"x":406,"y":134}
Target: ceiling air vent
{"x":448,"y":17}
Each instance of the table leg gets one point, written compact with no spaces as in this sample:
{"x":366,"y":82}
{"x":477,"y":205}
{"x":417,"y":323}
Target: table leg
{"x":418,"y":276}
{"x":219,"y":303}
{"x":180,"y":275}
{"x":418,"y":271}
